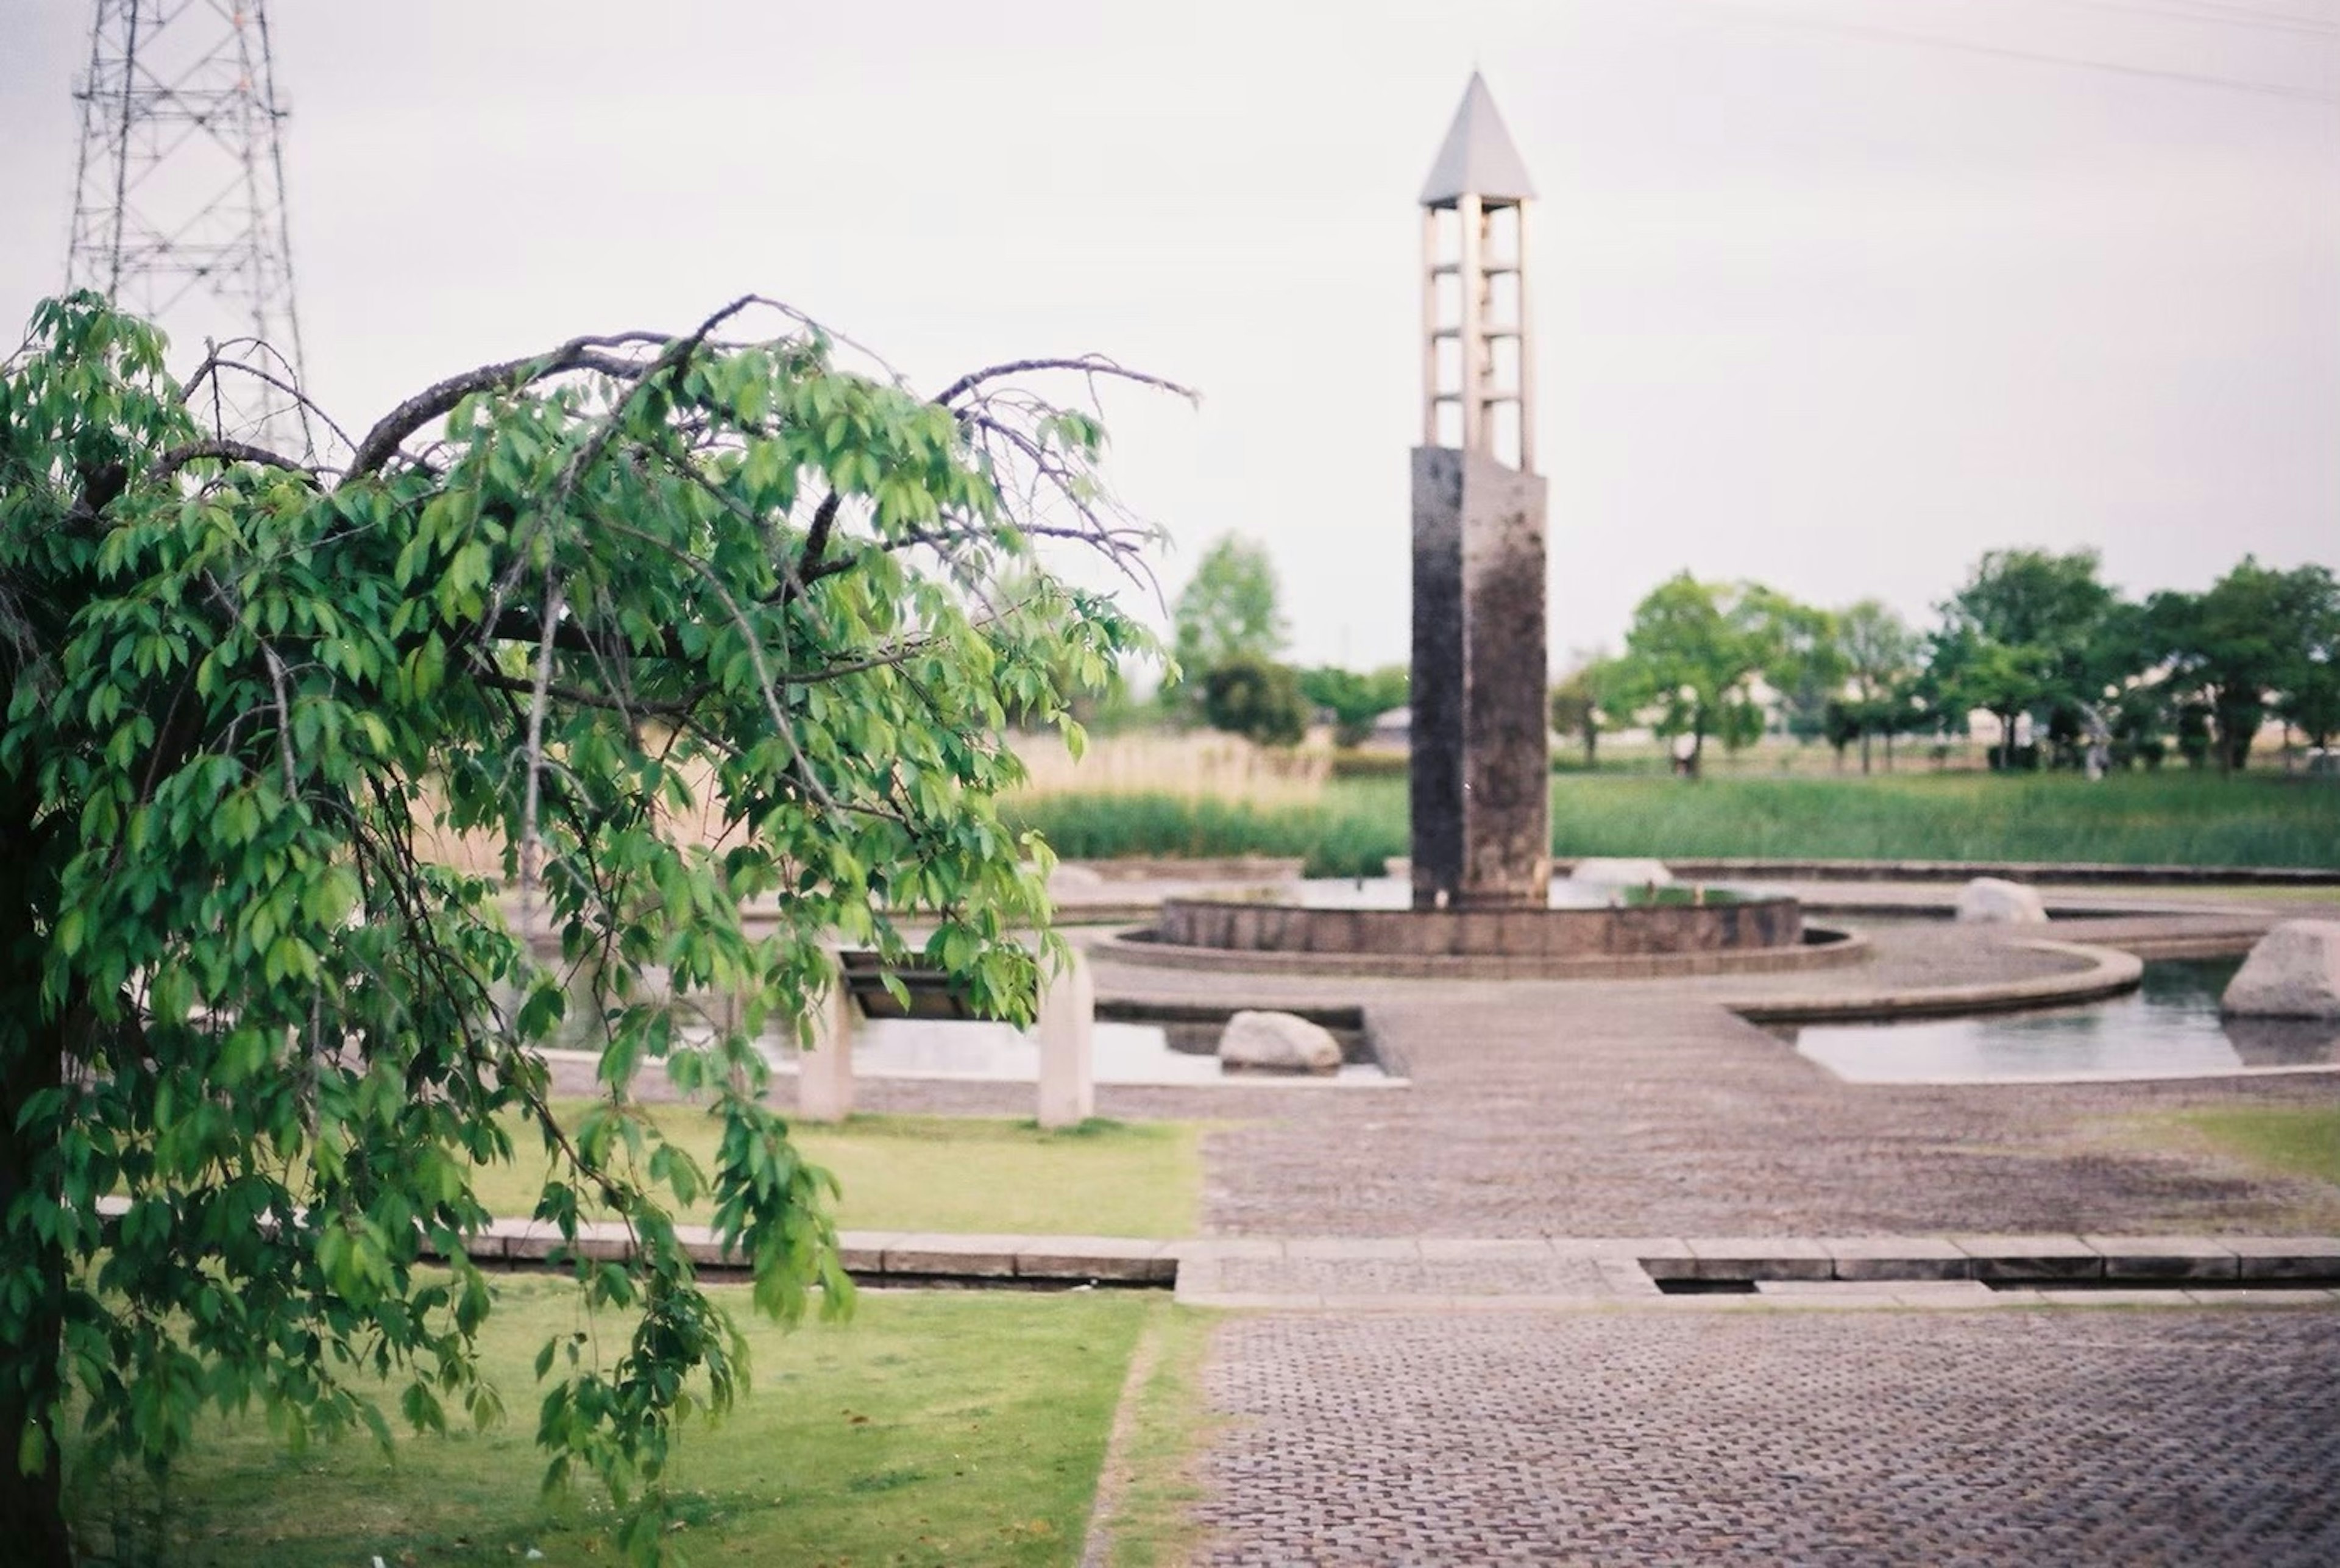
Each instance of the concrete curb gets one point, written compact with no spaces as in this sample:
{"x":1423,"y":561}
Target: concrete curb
{"x":2018,"y":870}
{"x":2108,"y":972}
{"x":1791,"y":1273}
{"x":1632,"y":1269}
{"x":880,"y":1257}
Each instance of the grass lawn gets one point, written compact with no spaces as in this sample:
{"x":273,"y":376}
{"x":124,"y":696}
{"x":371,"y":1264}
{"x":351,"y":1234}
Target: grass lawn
{"x":2289,"y":1140}
{"x":1150,"y":1523}
{"x":932,"y":1428}
{"x":955,"y":1174}
{"x":2172,"y":818}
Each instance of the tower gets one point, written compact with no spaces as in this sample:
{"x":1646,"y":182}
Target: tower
{"x":1480,"y":768}
{"x":179,"y":198}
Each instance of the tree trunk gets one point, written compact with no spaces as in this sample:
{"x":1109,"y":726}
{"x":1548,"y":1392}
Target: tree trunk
{"x":32,"y":1049}
{"x":33,"y":1504}
{"x":1592,"y":748}
{"x":1864,"y":751}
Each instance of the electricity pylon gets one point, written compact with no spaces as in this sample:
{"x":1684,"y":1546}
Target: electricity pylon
{"x":179,"y":200}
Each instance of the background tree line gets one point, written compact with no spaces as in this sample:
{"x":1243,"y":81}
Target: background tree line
{"x":2031,"y":634}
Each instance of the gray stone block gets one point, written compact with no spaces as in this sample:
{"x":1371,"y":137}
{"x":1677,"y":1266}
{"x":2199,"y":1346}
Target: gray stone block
{"x":1995,"y":901}
{"x":1119,"y":1260}
{"x":2031,"y":1259}
{"x":2165,"y":1258}
{"x":957,"y":1257}
{"x":1761,"y":1257}
{"x":864,"y":1251}
{"x":1898,"y":1258}
{"x":1480,"y":768}
{"x":2294,"y":972}
{"x":2285,"y":1256}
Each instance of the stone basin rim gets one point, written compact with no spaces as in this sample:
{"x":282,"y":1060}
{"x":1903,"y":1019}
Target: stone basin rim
{"x":1142,"y":947}
{"x":1567,"y":937}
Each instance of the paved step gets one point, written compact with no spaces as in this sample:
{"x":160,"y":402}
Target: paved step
{"x":881,"y":1257}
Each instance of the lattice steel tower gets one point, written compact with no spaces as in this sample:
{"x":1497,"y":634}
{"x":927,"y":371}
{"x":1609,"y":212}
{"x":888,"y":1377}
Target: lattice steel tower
{"x":179,"y":200}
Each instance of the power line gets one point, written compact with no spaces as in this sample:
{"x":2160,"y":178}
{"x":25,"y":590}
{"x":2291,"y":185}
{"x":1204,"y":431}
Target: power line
{"x":2039,"y":57}
{"x":2213,"y":16}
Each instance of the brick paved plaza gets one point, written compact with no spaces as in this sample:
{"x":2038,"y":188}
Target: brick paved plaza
{"x":1686,"y":1430}
{"x":2052,"y":1435}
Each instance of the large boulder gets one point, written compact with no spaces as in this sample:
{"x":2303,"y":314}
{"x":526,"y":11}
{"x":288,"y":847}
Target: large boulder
{"x":2293,"y":973}
{"x":1600,"y":871}
{"x":1993,"y":901}
{"x":1279,"y":1043}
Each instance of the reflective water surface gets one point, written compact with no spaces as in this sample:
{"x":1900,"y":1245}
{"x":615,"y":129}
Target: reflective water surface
{"x":2168,"y":1027}
{"x":1173,"y":1055}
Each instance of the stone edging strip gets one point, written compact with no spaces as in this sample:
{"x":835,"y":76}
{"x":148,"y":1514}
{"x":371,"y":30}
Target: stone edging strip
{"x":2019,"y":870}
{"x":2108,"y":972}
{"x":1629,"y":1269}
{"x":2000,"y":1259}
{"x":1961,"y":1271}
{"x":880,"y":1257}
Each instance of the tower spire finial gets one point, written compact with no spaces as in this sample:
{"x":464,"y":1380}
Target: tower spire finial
{"x":1477,"y":158}
{"x":1489,"y":374}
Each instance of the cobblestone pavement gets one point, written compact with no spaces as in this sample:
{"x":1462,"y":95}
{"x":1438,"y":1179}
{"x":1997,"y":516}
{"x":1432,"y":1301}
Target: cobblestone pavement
{"x":1614,"y":1114}
{"x":1643,"y":1108}
{"x":2055,"y":1435}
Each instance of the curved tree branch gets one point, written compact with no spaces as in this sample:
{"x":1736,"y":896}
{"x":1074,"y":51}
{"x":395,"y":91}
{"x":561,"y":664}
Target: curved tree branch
{"x":1086,"y":364}
{"x":383,"y":442}
{"x":179,"y":457}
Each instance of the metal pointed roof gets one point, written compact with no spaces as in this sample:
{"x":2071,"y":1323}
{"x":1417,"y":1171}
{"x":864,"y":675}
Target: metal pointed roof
{"x":1478,"y":158}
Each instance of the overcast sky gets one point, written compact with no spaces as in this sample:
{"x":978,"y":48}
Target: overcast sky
{"x":1833,"y":294}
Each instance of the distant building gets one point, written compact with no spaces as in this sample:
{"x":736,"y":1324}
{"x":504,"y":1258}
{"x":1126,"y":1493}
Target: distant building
{"x":1392,"y":731}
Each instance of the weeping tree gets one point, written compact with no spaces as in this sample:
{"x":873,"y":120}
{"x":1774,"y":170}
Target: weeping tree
{"x":678,"y":625}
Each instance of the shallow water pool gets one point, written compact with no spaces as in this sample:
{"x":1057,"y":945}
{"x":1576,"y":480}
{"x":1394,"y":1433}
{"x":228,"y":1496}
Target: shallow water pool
{"x":1172,"y":1055}
{"x":2168,"y":1027}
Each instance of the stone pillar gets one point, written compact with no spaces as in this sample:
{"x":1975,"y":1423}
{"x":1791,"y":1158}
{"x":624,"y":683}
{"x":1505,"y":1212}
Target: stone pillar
{"x":825,"y":1063}
{"x":1481,"y":769}
{"x":1066,"y":1028}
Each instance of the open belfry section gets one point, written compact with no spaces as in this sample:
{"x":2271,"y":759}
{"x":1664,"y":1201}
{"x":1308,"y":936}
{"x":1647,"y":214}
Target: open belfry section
{"x":1482,"y":811}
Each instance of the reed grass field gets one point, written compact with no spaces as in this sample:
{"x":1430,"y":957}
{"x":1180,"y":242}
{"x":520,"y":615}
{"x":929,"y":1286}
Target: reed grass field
{"x":2181,"y":818}
{"x":1195,"y":764}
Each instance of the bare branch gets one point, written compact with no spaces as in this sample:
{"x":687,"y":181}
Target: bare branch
{"x":1086,"y":364}
{"x":179,"y":457}
{"x":383,"y":442}
{"x":532,"y":844}
{"x":496,"y":680}
{"x":283,"y":722}
{"x":216,"y":361}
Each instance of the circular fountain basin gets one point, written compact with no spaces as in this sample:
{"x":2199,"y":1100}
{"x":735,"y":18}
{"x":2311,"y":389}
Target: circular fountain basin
{"x":1367,"y":927}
